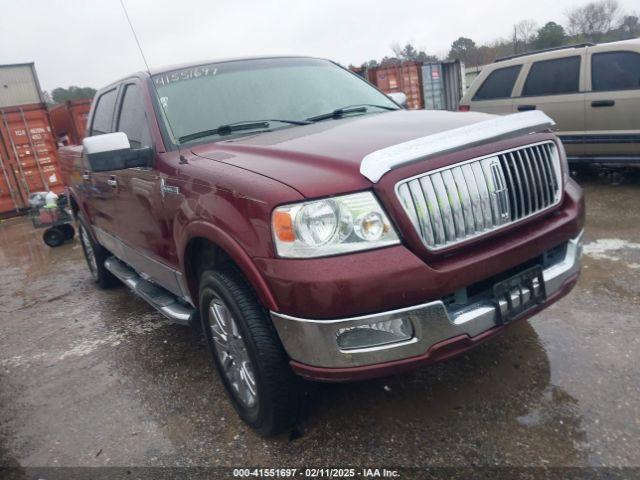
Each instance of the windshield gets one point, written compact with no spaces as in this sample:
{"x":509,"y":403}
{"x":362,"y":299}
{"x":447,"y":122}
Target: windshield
{"x":205,"y":97}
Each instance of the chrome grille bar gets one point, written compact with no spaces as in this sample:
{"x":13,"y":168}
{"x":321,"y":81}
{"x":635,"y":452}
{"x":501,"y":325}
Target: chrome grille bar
{"x":466,"y":200}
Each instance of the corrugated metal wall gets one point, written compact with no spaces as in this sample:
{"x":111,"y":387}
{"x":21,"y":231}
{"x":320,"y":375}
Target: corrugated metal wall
{"x":69,"y":120}
{"x":405,"y":77}
{"x":28,"y":156}
{"x":19,"y":85}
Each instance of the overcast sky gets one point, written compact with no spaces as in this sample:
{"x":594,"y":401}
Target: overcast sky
{"x":88,"y":42}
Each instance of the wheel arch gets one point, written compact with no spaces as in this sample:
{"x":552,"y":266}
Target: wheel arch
{"x":206,"y":246}
{"x":79,"y":212}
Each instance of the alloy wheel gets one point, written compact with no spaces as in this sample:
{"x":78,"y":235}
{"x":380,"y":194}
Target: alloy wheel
{"x":232,"y":353}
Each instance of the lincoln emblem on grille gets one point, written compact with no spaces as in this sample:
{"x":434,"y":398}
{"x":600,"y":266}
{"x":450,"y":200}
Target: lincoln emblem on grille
{"x":500,"y":191}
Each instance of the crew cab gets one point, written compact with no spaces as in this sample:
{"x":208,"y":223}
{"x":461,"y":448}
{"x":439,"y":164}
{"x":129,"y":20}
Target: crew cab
{"x":312,"y":227}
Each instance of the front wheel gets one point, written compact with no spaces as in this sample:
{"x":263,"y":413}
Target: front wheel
{"x":247,"y":353}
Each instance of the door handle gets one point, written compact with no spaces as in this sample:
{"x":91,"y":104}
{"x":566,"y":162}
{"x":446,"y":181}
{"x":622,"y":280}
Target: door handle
{"x":86,"y":175}
{"x":112,"y":182}
{"x":524,"y":108}
{"x":603,"y":103}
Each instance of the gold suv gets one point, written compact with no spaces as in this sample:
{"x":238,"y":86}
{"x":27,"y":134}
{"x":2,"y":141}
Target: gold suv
{"x":591,"y":91}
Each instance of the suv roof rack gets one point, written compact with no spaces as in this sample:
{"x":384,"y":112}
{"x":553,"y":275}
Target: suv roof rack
{"x":525,"y":54}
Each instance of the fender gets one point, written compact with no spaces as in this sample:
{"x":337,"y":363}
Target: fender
{"x":201,"y":229}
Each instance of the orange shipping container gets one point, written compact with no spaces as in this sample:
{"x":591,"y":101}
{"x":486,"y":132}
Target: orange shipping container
{"x":10,"y":199}
{"x":29,"y":151}
{"x":69,"y":119}
{"x":405,"y":77}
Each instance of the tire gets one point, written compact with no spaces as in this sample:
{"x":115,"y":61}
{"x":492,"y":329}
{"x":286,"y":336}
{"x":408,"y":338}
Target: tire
{"x":95,"y":255}
{"x":67,"y":230}
{"x":53,"y":237}
{"x":261,"y":364}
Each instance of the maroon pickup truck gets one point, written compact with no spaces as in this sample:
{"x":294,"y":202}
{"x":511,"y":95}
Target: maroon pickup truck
{"x":313,"y":227}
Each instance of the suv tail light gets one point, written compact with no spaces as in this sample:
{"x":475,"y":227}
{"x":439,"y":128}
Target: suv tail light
{"x":464,"y":108}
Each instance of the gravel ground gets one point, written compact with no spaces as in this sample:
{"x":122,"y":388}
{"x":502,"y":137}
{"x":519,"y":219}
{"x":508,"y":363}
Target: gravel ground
{"x":90,"y":377}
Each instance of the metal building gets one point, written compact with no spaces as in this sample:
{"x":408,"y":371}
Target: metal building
{"x":19,"y":85}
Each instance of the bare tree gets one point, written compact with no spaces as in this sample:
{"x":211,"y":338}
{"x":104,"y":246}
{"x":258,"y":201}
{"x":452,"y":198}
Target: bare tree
{"x":593,"y":20}
{"x":525,"y":32}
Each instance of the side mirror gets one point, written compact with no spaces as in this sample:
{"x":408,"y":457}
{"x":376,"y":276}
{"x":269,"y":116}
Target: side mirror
{"x":399,"y":97}
{"x":112,"y":151}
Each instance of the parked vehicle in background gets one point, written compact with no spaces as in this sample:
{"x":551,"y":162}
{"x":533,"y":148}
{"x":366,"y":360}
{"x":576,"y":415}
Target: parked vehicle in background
{"x":69,"y":120}
{"x":591,"y":91}
{"x":311,"y":226}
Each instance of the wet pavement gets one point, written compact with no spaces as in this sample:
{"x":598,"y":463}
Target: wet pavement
{"x":92,"y":377}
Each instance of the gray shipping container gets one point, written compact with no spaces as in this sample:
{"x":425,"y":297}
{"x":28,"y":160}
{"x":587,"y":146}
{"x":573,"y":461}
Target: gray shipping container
{"x":19,"y":85}
{"x":443,"y":84}
{"x":471,"y":73}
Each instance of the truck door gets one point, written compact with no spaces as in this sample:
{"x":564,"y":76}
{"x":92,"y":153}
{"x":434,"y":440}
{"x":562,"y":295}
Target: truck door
{"x":101,"y":187}
{"x":555,"y":86}
{"x":143,"y":227}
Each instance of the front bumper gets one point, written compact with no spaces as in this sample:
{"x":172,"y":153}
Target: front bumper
{"x":313,"y":342}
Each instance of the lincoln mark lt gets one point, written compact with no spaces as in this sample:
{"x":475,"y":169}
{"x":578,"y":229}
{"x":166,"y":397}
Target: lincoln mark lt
{"x":312,"y":227}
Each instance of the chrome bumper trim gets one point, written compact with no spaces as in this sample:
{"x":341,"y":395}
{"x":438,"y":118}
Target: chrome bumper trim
{"x":313,"y":342}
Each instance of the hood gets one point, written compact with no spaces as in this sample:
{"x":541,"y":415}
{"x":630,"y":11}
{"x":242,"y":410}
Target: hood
{"x":324,"y":158}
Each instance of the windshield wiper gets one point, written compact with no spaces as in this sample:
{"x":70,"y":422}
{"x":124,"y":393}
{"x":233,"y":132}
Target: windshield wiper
{"x":340,"y":112}
{"x":236,"y":127}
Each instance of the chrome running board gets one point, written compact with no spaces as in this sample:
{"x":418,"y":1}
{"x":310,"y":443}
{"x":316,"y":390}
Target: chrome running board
{"x":159,"y":298}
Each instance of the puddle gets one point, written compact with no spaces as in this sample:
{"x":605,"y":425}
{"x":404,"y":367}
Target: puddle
{"x":604,"y":249}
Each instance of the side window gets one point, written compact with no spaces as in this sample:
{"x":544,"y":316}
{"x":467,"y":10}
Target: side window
{"x":553,"y":77}
{"x":103,"y":115}
{"x":132,"y":119}
{"x":615,"y":71}
{"x":498,"y":84}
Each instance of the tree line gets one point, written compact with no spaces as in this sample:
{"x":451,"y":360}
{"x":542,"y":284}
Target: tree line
{"x":61,"y":95}
{"x":597,"y":21}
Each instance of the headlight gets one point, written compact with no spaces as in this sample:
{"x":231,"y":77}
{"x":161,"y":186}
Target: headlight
{"x":331,"y":226}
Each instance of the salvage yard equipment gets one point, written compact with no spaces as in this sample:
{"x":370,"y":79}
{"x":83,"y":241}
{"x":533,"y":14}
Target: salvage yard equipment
{"x":51,"y":212}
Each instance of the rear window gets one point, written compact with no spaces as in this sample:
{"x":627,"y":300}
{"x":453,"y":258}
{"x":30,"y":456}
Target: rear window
{"x":104,"y":113}
{"x":553,"y":77}
{"x":499,"y":84}
{"x":615,"y":71}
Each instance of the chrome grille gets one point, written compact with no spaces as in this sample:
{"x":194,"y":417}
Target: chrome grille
{"x":456,"y":203}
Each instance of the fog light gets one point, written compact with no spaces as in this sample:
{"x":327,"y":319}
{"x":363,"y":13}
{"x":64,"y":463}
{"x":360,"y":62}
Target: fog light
{"x":374,"y":334}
